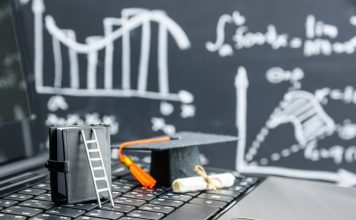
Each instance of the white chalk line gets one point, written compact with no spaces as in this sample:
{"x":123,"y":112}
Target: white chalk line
{"x":110,"y":93}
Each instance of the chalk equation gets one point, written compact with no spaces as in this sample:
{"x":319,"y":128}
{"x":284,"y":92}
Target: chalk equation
{"x":320,"y":38}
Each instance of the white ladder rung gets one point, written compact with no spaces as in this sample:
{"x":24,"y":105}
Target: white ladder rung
{"x":103,"y":190}
{"x":100,"y":178}
{"x":95,"y":159}
{"x":93,"y":150}
{"x":98,"y":168}
{"x":91,"y":141}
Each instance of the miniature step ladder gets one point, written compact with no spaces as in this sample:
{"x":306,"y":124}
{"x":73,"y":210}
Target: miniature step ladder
{"x":101,"y":167}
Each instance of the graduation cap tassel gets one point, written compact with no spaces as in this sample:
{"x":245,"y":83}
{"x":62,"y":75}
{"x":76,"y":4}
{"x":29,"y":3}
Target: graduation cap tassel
{"x":140,"y":175}
{"x":144,"y":178}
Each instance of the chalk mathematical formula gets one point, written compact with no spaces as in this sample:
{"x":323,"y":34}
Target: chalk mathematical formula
{"x":320,"y":38}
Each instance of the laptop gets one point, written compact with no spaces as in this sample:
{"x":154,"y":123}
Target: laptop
{"x":25,"y":189}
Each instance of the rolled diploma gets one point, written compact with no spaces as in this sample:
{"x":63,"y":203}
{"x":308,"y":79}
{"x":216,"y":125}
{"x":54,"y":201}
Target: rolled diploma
{"x":198,"y":183}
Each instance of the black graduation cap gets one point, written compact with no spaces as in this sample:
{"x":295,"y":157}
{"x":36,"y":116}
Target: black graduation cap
{"x":176,"y":158}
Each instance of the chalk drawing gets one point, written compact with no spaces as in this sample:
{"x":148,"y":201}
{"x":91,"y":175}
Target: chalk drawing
{"x":57,"y":103}
{"x":188,"y":111}
{"x":166,"y":108}
{"x":159,"y":124}
{"x":311,"y":124}
{"x":114,"y":29}
{"x":276,"y":75}
{"x":303,"y":110}
{"x":320,"y":38}
{"x":85,"y":119}
{"x":347,"y":131}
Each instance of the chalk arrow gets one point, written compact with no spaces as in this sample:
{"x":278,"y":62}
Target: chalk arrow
{"x":345,"y":178}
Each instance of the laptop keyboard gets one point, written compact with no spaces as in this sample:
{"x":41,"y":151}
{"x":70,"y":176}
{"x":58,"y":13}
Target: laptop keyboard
{"x":132,"y":202}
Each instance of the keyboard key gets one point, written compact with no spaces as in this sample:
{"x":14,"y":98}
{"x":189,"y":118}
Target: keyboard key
{"x":18,"y":197}
{"x":7,"y":203}
{"x":33,"y":192}
{"x":121,"y":188}
{"x":87,"y":218}
{"x":251,"y":179}
{"x":192,"y":193}
{"x":49,"y":217}
{"x":176,"y":196}
{"x":215,"y":197}
{"x":129,"y":178}
{"x":144,"y":196}
{"x":193,"y":211}
{"x":83,"y":206}
{"x":37,"y":204}
{"x":225,"y":192}
{"x":144,"y":190}
{"x":119,"y":208}
{"x":167,"y":202}
{"x":239,"y":189}
{"x":104,"y":214}
{"x":245,"y":183}
{"x":44,"y":186}
{"x":132,"y":183}
{"x":146,"y":214}
{"x":18,"y":210}
{"x":157,"y":208}
{"x":45,"y":196}
{"x":68,"y":212}
{"x":129,"y":201}
{"x":116,"y":194}
{"x":130,"y":218}
{"x":11,"y":217}
{"x":214,"y":203}
{"x":120,"y":171}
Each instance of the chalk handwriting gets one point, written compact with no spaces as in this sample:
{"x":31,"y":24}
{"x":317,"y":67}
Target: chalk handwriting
{"x":88,"y":118}
{"x":320,"y":38}
{"x":347,"y":95}
{"x":57,"y":103}
{"x":166,"y":108}
{"x":347,"y":130}
{"x":188,"y":111}
{"x":159,"y":124}
{"x":278,"y":75}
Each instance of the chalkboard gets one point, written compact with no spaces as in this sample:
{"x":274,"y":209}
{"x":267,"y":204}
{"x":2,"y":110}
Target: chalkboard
{"x":280,"y":74}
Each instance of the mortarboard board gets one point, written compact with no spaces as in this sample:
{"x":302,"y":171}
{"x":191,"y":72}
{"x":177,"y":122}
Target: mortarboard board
{"x":176,"y":158}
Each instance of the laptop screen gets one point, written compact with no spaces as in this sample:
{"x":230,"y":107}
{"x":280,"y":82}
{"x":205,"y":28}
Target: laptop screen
{"x":16,"y":140}
{"x":12,"y":86}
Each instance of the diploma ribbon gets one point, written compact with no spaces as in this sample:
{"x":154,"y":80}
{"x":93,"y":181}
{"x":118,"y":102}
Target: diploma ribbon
{"x":213,"y":183}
